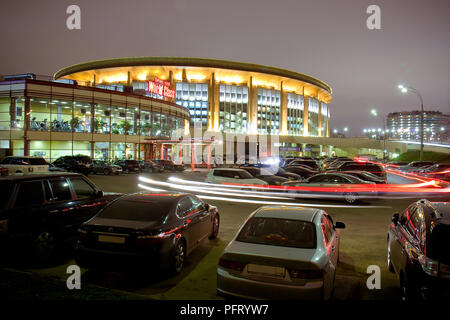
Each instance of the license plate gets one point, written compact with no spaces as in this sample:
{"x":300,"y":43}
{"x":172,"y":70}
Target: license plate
{"x":111,"y":239}
{"x":266,"y":270}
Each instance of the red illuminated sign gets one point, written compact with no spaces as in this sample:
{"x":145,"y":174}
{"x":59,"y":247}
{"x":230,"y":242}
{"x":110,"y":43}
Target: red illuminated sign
{"x":161,"y":88}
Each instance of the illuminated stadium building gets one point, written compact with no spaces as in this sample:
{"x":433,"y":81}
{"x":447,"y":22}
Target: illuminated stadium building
{"x":125,"y":107}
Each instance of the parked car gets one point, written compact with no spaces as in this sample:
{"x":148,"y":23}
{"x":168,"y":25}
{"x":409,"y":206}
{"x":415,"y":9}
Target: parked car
{"x":281,"y":253}
{"x":417,"y":250}
{"x":415,"y":165}
{"x":78,"y":163}
{"x":288,"y":175}
{"x":330,"y":162}
{"x":266,"y":175}
{"x":336,"y":178}
{"x":333,"y":165}
{"x":53,"y":168}
{"x":331,"y":180}
{"x":373,"y":168}
{"x":396,"y":164}
{"x":106,"y":168}
{"x":436,"y":171}
{"x":39,"y":212}
{"x":309,"y":163}
{"x":363,"y":175}
{"x":144,"y":230}
{"x":232,"y":175}
{"x":151,"y":166}
{"x":129,"y":165}
{"x":169,"y":165}
{"x":301,"y":171}
{"x":25,"y":164}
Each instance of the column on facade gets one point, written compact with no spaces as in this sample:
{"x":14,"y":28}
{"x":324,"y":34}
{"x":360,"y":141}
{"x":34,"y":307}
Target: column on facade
{"x":172,"y":85}
{"x":328,"y":123}
{"x":212,"y":103}
{"x":305,"y":114}
{"x":253,"y":107}
{"x":26,"y":142}
{"x":319,"y":123}
{"x":284,"y":113}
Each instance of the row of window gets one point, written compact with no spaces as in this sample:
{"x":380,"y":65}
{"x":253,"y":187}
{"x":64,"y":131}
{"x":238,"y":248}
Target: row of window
{"x":74,"y":116}
{"x":52,"y":150}
{"x":194,"y":96}
{"x":233,"y":108}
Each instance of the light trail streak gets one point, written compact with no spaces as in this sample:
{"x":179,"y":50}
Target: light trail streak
{"x":271,"y":202}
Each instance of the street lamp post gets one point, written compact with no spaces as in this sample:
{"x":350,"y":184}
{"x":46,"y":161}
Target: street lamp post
{"x":405,"y":89}
{"x":375,"y":113}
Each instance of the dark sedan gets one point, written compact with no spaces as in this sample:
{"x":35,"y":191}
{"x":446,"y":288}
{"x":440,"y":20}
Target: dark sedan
{"x":373,"y":168}
{"x":99,"y":166}
{"x":129,"y":165}
{"x":415,"y":165}
{"x":144,"y":230}
{"x":78,"y":163}
{"x":169,"y":165}
{"x":304,"y":172}
{"x":309,"y":163}
{"x":150,"y":166}
{"x":363,"y":175}
{"x":336,"y":183}
{"x":288,"y":175}
{"x":417,"y":250}
{"x":40,"y":212}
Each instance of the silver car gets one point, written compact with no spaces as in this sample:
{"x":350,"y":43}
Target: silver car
{"x":281,"y":252}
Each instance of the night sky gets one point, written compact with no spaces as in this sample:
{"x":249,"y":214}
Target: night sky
{"x":328,"y":40}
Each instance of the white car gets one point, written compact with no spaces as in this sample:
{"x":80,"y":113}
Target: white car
{"x":232,"y":175}
{"x":25,"y":165}
{"x":281,"y":253}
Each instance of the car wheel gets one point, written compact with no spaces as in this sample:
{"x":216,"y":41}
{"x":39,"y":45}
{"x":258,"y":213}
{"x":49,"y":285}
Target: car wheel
{"x":389,"y":261}
{"x":106,"y":172}
{"x":351,"y":197}
{"x":178,"y":257}
{"x":215,"y":227}
{"x":44,"y":245}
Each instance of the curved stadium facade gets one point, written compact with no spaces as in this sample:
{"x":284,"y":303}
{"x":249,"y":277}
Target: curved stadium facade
{"x":125,"y":107}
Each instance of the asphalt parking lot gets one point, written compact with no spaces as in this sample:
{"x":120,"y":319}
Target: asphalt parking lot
{"x":363,"y":243}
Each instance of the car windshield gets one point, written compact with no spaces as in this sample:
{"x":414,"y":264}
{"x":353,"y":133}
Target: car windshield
{"x":279,"y":232}
{"x":137,"y":210}
{"x":243,"y":174}
{"x":38,"y":161}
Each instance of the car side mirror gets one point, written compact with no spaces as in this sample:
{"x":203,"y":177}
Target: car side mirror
{"x":100,"y":194}
{"x":395,"y":218}
{"x":206,"y":206}
{"x":339,"y":225}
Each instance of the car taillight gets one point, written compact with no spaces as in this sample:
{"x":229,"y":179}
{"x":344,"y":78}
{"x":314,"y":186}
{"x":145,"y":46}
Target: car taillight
{"x":305,"y":274}
{"x":3,"y":226}
{"x":233,"y":265}
{"x":431,"y":267}
{"x":150,"y":239}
